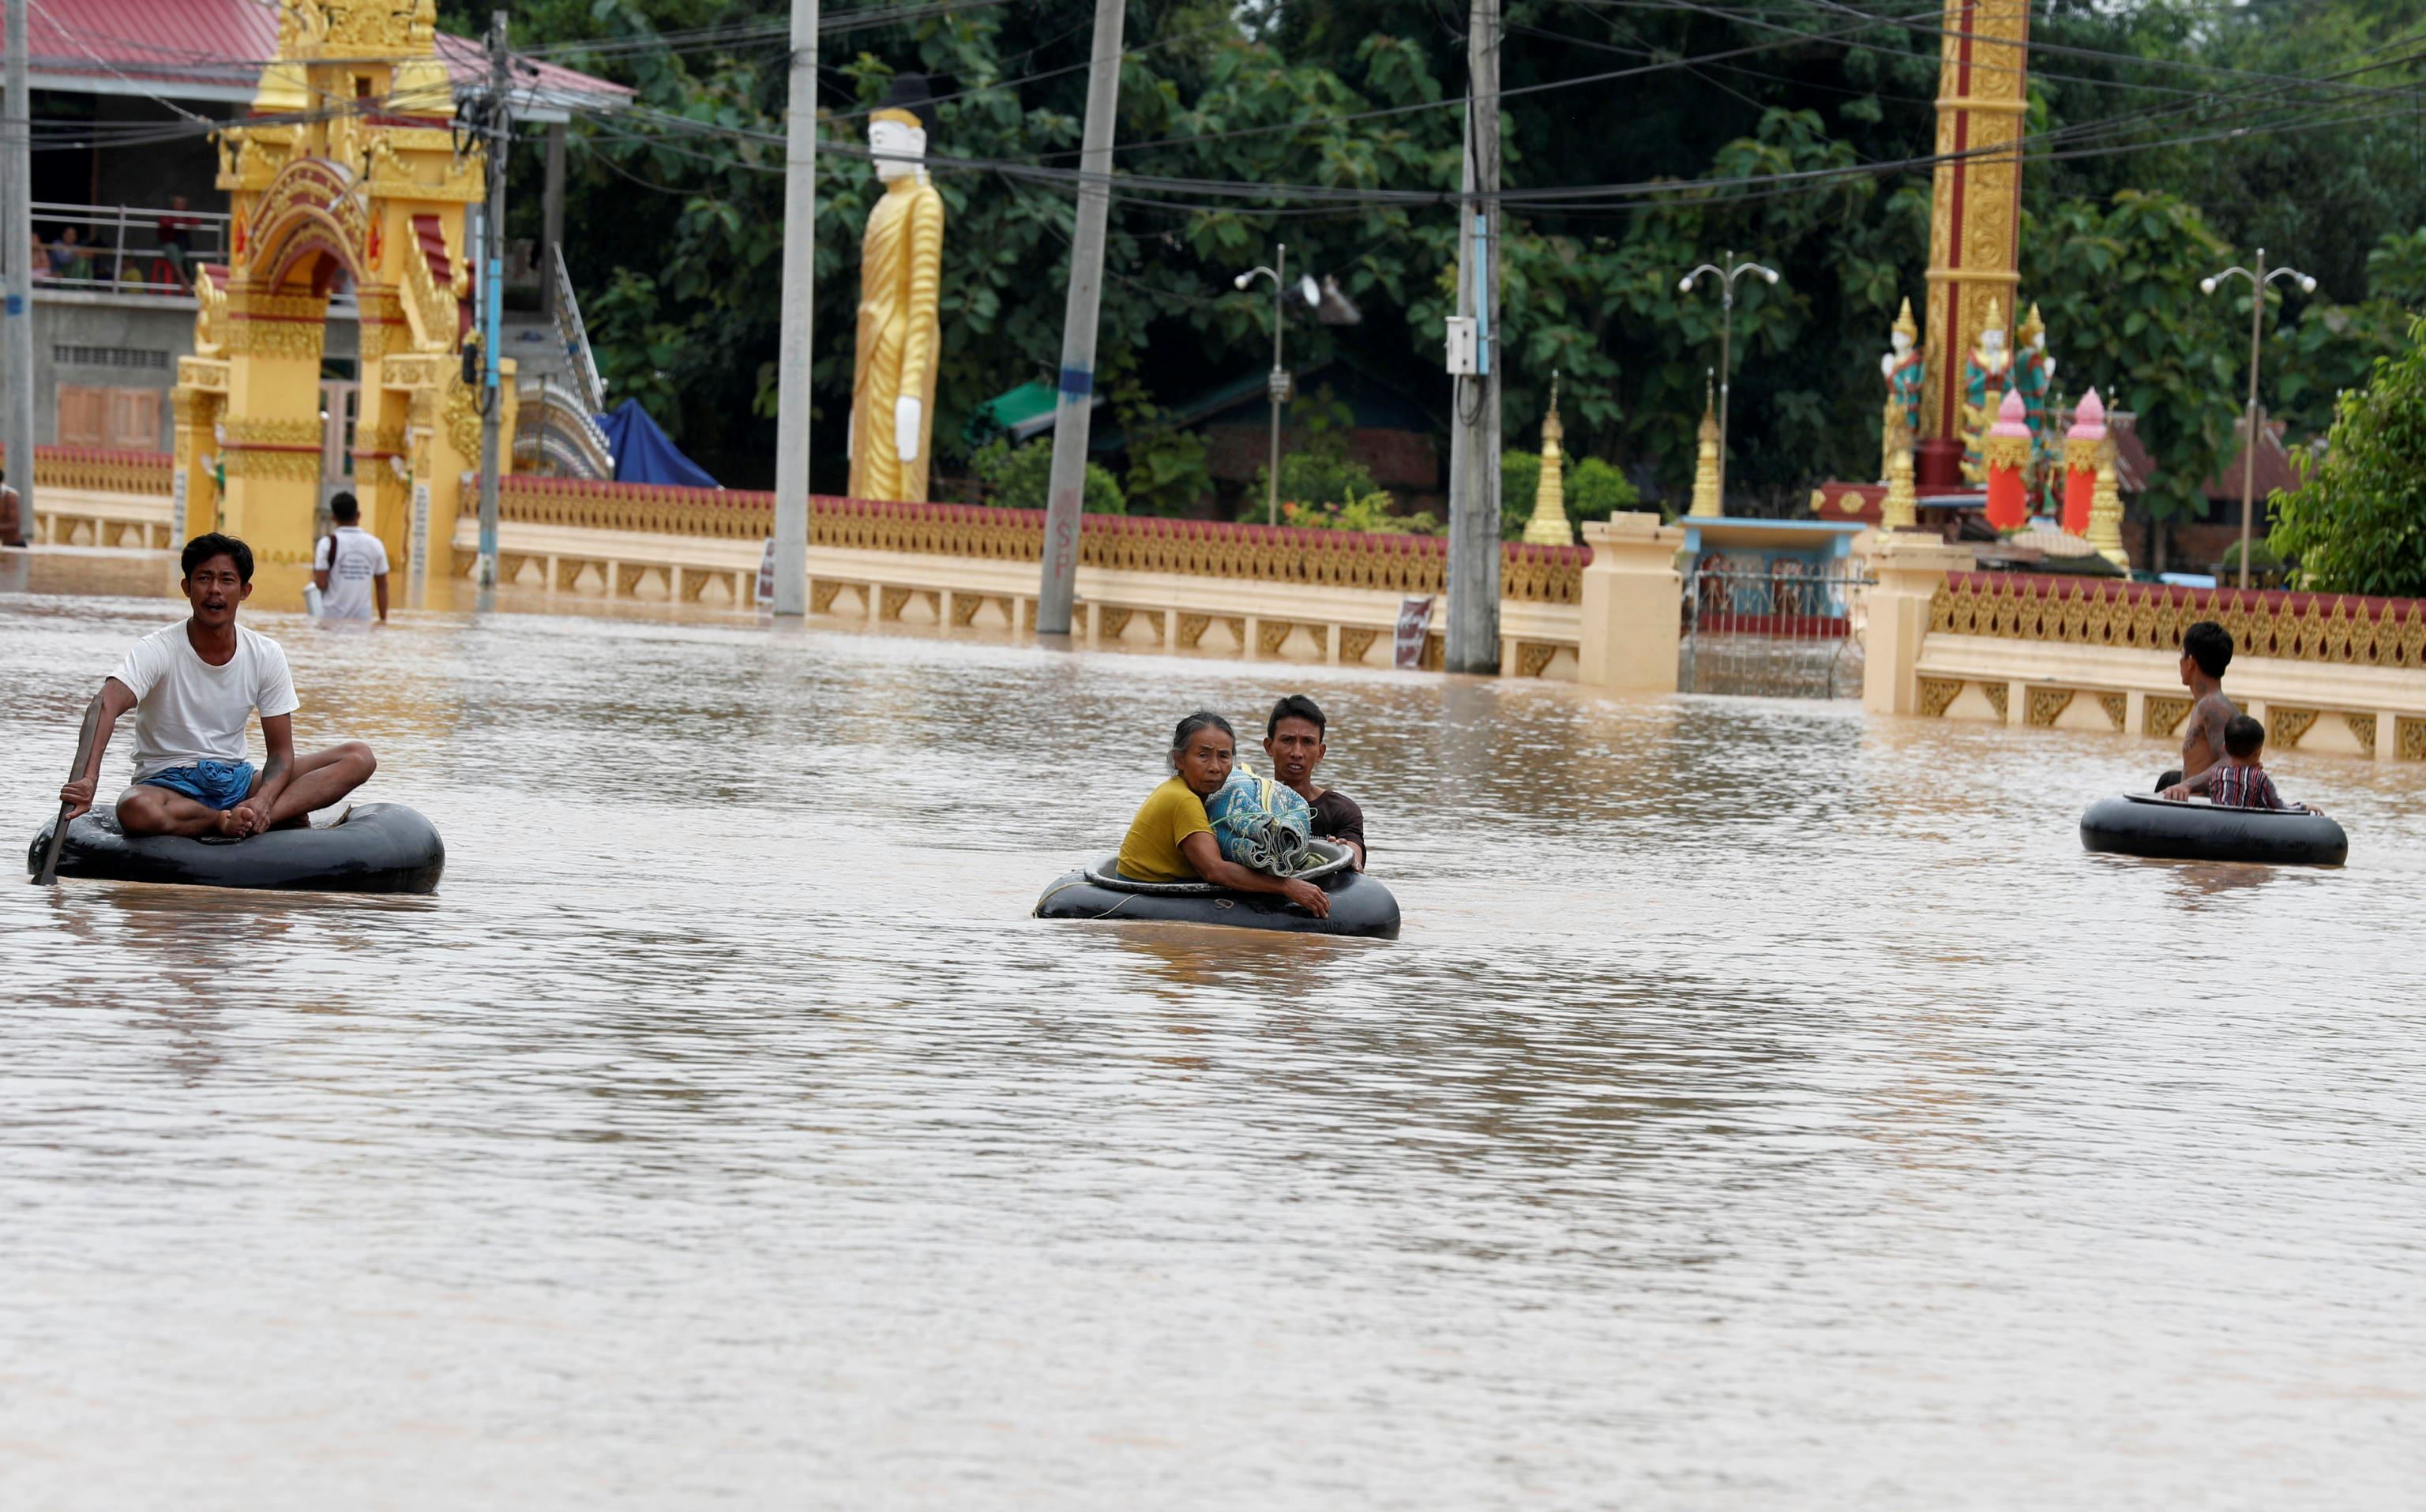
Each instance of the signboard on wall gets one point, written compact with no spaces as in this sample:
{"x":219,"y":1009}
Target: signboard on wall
{"x":177,"y":486}
{"x":1415,"y":624}
{"x":766,"y":572}
{"x":421,"y":530}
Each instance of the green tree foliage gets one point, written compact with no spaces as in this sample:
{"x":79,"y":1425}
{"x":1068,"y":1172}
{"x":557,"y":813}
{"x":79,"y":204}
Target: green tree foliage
{"x":2134,"y":194}
{"x":2359,"y":525}
{"x":1021,"y":476}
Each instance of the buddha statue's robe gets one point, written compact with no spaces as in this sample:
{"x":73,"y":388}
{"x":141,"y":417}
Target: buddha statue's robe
{"x":900,"y":283}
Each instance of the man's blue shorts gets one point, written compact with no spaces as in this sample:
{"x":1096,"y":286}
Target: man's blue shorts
{"x":214,"y":785}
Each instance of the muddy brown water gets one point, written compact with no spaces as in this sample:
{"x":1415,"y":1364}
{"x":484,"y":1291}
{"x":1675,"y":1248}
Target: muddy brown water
{"x":1766,"y":1106}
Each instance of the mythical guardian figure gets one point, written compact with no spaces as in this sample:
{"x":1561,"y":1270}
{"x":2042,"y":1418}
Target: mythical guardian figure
{"x":1987,"y":373}
{"x":1902,"y":366}
{"x":2035,"y":376}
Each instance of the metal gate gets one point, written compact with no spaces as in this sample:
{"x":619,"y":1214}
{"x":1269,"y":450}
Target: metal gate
{"x":1788,"y":628}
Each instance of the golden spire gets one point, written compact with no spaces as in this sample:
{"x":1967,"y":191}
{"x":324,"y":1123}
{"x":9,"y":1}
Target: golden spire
{"x":1904,"y":322}
{"x":1706,"y":465}
{"x":1900,"y":509}
{"x":1548,"y":526}
{"x":2105,"y":509}
{"x":1994,"y":320}
{"x":2031,"y":328}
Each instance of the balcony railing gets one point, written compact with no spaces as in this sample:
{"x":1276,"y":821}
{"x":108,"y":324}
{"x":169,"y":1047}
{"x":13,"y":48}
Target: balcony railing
{"x":117,"y":248}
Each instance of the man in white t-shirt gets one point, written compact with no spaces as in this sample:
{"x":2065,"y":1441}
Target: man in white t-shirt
{"x":350,"y":566}
{"x":192,"y":687}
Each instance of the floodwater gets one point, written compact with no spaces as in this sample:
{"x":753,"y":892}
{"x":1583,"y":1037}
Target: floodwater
{"x":1766,"y":1107}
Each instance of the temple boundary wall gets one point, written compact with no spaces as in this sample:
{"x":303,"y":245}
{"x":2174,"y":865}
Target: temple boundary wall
{"x":2326,"y":674}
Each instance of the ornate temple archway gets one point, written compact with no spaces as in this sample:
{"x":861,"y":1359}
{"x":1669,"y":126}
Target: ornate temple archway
{"x":346,"y":171}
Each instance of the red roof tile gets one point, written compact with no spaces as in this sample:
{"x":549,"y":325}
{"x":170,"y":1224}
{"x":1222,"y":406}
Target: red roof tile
{"x":219,"y":43}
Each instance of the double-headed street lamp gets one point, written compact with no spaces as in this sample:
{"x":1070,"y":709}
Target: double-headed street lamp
{"x":1279,"y":381}
{"x":2257,"y":281}
{"x":1728,"y":270}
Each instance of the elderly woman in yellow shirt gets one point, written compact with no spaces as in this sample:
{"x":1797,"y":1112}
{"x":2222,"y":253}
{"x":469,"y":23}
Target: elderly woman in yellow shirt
{"x":1171,"y":840}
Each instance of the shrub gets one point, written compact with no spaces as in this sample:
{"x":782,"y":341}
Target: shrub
{"x":1315,"y":473}
{"x":1593,"y":489}
{"x":1020,"y":477}
{"x":1369,"y":512}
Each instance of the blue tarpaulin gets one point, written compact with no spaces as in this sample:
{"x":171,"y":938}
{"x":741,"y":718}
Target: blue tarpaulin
{"x":644,"y":455}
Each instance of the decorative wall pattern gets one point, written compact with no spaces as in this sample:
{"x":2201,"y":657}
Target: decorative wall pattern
{"x":1396,"y":564}
{"x":99,"y":470}
{"x":2311,"y":627}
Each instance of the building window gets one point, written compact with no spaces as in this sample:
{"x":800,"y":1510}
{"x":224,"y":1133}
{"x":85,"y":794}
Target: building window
{"x":109,"y":357}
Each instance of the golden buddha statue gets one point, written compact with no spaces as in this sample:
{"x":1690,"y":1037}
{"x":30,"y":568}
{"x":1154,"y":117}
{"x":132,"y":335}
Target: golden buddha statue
{"x":901,"y":282}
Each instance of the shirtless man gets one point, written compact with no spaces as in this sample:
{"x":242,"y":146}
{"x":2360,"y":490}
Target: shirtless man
{"x":2206,"y":651}
{"x":1293,"y":739}
{"x":192,"y":686}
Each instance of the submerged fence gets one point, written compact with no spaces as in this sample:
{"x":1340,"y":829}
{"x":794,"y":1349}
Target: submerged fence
{"x":1790,"y":629}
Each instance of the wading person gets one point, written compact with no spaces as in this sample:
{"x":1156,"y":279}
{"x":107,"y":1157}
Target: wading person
{"x":350,"y":566}
{"x":1171,"y":840}
{"x":192,"y":686}
{"x":2206,"y":651}
{"x":1293,"y":738}
{"x":13,"y":521}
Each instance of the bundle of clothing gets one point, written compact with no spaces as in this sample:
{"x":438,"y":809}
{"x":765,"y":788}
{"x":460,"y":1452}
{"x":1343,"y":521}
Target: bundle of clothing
{"x":1261,"y":824}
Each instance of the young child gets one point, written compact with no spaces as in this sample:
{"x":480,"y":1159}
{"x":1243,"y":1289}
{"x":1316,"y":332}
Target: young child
{"x":2238,"y":781}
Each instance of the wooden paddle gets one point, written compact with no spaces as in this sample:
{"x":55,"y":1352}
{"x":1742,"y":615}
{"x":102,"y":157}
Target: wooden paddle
{"x":49,"y":875}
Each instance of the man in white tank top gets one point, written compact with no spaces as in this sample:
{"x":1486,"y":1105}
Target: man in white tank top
{"x":193,"y":686}
{"x":350,"y":566}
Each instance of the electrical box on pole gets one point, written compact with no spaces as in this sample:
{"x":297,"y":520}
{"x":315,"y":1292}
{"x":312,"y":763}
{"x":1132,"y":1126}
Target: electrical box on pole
{"x":1461,"y":347}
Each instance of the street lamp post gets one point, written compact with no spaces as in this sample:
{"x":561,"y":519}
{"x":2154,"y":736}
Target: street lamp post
{"x":2257,"y":281}
{"x":1279,"y":381}
{"x":1728,"y":270}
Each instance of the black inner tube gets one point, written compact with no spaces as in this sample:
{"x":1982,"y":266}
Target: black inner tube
{"x":1105,"y":872}
{"x":2141,"y":824}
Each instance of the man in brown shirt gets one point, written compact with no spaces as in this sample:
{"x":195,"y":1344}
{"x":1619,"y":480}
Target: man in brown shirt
{"x":1293,"y":739}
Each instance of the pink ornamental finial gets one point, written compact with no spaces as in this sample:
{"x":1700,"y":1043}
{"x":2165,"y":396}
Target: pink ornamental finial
{"x":2088,"y":419}
{"x":2012,"y":416}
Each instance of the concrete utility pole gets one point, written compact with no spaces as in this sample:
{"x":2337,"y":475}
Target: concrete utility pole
{"x":1474,"y":483}
{"x":792,"y":396}
{"x":1073,"y":411}
{"x":493,"y":299}
{"x":17,"y":230}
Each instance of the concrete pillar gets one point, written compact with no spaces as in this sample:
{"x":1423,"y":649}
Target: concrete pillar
{"x":1910,"y":566}
{"x":1633,"y":604}
{"x":2387,"y":735}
